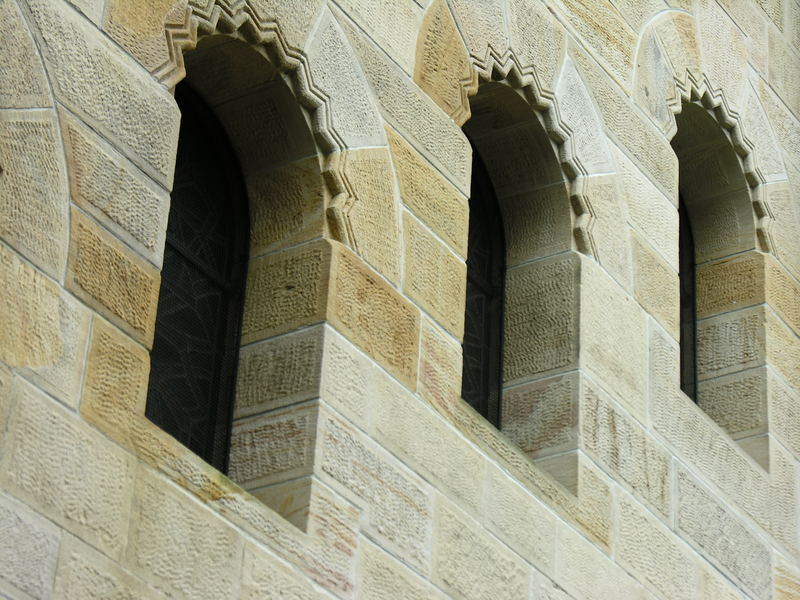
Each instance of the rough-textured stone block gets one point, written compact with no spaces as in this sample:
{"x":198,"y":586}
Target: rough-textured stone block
{"x":68,"y":471}
{"x":29,"y":552}
{"x":276,"y":446}
{"x":279,"y":372}
{"x":85,"y":573}
{"x":114,"y":191}
{"x":613,"y":337}
{"x":290,"y":499}
{"x":111,"y":278}
{"x":33,"y":188}
{"x":180,"y":546}
{"x":623,"y":446}
{"x":266,"y":577}
{"x":429,"y":195}
{"x":541,"y":317}
{"x":731,"y":342}
{"x":722,"y":537}
{"x":115,"y":388}
{"x":542,"y":417}
{"x":737,"y":403}
{"x":611,"y":238}
{"x":537,"y":223}
{"x":23,"y":82}
{"x":724,"y":52}
{"x":294,"y":20}
{"x":286,"y":290}
{"x":99,"y":83}
{"x":656,"y":285}
{"x":543,"y":51}
{"x":396,"y":504}
{"x":654,"y":81}
{"x":783,"y":349}
{"x":783,"y":63}
{"x":786,"y":212}
{"x":483,"y":26}
{"x":443,"y":69}
{"x":435,"y":278}
{"x":784,"y":411}
{"x":469,"y":563}
{"x":756,"y":123}
{"x":730,"y":284}
{"x":348,"y":377}
{"x":786,"y":580}
{"x":382,"y":576}
{"x":440,"y":366}
{"x":374,"y":316}
{"x":783,"y":293}
{"x":679,"y":38}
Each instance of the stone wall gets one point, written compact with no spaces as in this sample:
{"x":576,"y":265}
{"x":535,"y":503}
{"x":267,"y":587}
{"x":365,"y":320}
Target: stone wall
{"x":356,"y":469}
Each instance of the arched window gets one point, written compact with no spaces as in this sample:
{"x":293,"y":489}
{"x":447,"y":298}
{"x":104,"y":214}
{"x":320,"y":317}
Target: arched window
{"x":482,"y":377}
{"x":196,"y":345}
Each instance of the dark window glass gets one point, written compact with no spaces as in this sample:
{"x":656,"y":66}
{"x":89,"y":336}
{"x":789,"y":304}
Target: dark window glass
{"x":688,"y":332}
{"x":196,"y":345}
{"x":483,"y":325}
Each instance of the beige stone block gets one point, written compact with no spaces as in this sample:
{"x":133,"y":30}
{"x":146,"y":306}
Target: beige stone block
{"x":286,"y":205}
{"x":267,"y":577}
{"x":542,"y":417}
{"x":737,"y":403}
{"x":435,"y":278}
{"x":731,"y":342}
{"x":396,"y":504}
{"x":585,"y":572}
{"x":442,"y":68}
{"x":625,"y":449}
{"x":369,"y":312}
{"x":786,"y":216}
{"x":34,"y":200}
{"x":542,"y":588}
{"x":537,"y":223}
{"x":783,"y":63}
{"x":730,"y":284}
{"x":92,"y":9}
{"x":678,"y":34}
{"x":440,"y":366}
{"x":541,"y":317}
{"x":275,"y":446}
{"x":563,"y":469}
{"x":278,"y":372}
{"x":114,"y":191}
{"x":786,"y":579}
{"x":722,"y":537}
{"x":782,"y":121}
{"x":6,"y":379}
{"x":723,"y":226}
{"x":654,"y":81}
{"x":429,"y":195}
{"x":290,"y":499}
{"x":23,"y":82}
{"x":545,"y":49}
{"x":613,"y":337}
{"x":783,"y":293}
{"x":609,"y":233}
{"x":115,"y":281}
{"x":348,"y":379}
{"x":656,"y":285}
{"x":286,"y":290}
{"x":85,"y":573}
{"x":520,"y":520}
{"x":784,"y":413}
{"x":427,"y":443}
{"x":783,"y":350}
{"x":414,"y":115}
{"x":483,"y":26}
{"x":383,"y":576}
{"x":724,"y":52}
{"x":374,"y":214}
{"x":103,"y":86}
{"x":715,"y":586}
{"x":653,"y":554}
{"x":755,"y":122}
{"x":179,"y":545}
{"x":294,"y":21}
{"x":115,"y":389}
{"x":29,"y":552}
{"x":67,"y":471}
{"x":470,"y":563}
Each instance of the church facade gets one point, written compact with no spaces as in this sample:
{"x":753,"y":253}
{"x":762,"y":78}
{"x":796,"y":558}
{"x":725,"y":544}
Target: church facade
{"x":398,"y":299}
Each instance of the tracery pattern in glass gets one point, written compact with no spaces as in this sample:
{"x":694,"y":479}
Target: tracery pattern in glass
{"x":195,"y":349}
{"x":481,"y":382}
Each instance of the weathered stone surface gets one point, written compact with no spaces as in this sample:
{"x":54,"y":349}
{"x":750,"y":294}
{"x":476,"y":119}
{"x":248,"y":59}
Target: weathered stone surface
{"x":543,"y":588}
{"x":266,"y":577}
{"x":537,"y":223}
{"x":286,"y":290}
{"x":29,"y":552}
{"x":114,"y":191}
{"x":722,"y":537}
{"x":730,"y":284}
{"x":624,"y":447}
{"x":93,"y":78}
{"x":541,"y":317}
{"x":443,"y":69}
{"x":397,"y":505}
{"x":611,"y":238}
{"x":275,"y":446}
{"x":69,"y":472}
{"x":374,"y":215}
{"x":93,"y":9}
{"x":654,"y":83}
{"x":656,"y":285}
{"x":23,"y":82}
{"x":111,"y":278}
{"x":33,"y":188}
{"x":679,"y":38}
{"x":382,"y":576}
{"x":348,"y":378}
{"x":737,"y":403}
{"x":429,"y":195}
{"x":85,"y":573}
{"x":483,"y":27}
{"x":767,"y":152}
{"x":6,"y":378}
{"x":281,"y":371}
{"x":435,"y":278}
{"x":783,"y":62}
{"x":372,"y":314}
{"x":786,"y":212}
{"x":783,"y":293}
{"x":295,"y":21}
{"x":784,"y":411}
{"x":543,"y":51}
{"x":469,"y":563}
{"x":783,"y":349}
{"x":786,"y":579}
{"x":724,"y":52}
{"x":180,"y":546}
{"x":290,"y":499}
{"x":440,"y":366}
{"x":731,"y":342}
{"x":542,"y":417}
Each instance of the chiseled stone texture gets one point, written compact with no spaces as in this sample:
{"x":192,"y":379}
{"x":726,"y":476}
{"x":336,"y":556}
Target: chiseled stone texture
{"x":543,"y":51}
{"x":656,"y":285}
{"x":29,"y":552}
{"x":382,"y":576}
{"x":23,"y":82}
{"x":469,"y":563}
{"x":68,"y":471}
{"x":265,"y":577}
{"x":731,"y":342}
{"x":180,"y":546}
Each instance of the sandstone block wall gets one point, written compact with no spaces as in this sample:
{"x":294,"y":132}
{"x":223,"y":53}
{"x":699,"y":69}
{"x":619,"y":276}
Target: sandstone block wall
{"x":357,"y":471}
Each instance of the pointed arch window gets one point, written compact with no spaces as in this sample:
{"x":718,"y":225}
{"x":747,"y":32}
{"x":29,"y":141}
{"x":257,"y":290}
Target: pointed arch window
{"x":196,"y":344}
